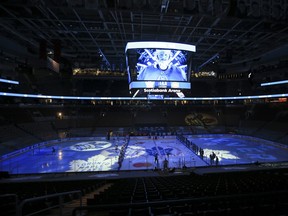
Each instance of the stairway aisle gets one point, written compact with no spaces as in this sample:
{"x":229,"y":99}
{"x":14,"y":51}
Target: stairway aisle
{"x":67,"y":209}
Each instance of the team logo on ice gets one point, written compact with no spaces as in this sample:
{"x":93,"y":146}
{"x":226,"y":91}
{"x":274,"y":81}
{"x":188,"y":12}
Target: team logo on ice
{"x":90,"y":146}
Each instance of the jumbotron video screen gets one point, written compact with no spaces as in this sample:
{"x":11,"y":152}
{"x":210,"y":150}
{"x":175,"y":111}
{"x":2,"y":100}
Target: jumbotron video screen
{"x":159,"y":65}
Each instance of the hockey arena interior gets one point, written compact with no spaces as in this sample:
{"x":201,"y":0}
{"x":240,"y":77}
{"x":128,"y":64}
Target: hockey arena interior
{"x":144,"y":107}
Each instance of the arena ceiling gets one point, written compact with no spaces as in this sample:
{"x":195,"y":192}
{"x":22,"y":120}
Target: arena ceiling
{"x":94,"y":33}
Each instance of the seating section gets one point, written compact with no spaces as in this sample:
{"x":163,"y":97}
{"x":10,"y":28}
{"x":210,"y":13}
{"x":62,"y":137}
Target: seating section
{"x":14,"y":138}
{"x":235,"y":193}
{"x":32,"y":125}
{"x":227,"y":193}
{"x":12,"y":194}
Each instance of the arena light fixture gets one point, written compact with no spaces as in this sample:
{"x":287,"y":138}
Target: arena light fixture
{"x":8,"y":94}
{"x":160,"y":45}
{"x":275,"y":83}
{"x":9,"y":81}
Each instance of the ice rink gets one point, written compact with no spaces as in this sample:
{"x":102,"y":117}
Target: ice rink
{"x":138,"y":153}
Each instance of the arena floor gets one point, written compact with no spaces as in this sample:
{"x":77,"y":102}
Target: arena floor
{"x":100,"y":154}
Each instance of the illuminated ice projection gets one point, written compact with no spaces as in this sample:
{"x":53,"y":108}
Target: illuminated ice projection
{"x":102,"y":161}
{"x":161,"y":150}
{"x":95,"y":163}
{"x":141,"y":154}
{"x":135,"y":151}
{"x":237,"y":147}
{"x":90,"y":146}
{"x":221,"y":154}
{"x":101,"y":155}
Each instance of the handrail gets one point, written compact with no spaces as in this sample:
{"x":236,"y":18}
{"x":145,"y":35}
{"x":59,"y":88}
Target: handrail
{"x":20,"y":207}
{"x":8,"y":195}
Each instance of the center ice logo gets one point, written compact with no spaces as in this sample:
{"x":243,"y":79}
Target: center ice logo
{"x":162,"y":151}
